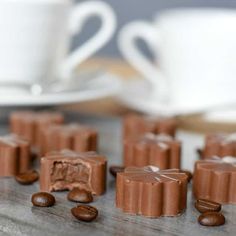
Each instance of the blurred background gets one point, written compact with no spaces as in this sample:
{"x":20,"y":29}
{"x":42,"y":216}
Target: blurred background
{"x":129,"y":10}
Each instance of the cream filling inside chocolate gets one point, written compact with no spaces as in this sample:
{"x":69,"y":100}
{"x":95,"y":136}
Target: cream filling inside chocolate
{"x":68,"y":175}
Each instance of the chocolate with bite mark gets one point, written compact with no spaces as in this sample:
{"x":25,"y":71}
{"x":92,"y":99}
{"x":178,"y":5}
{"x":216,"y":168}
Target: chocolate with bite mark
{"x":152,"y":193}
{"x":159,"y":150}
{"x":75,"y":137}
{"x":136,"y":125}
{"x":67,"y":169}
{"x":14,"y":155}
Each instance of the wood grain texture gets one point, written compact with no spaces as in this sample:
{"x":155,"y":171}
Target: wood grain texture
{"x":19,"y":217}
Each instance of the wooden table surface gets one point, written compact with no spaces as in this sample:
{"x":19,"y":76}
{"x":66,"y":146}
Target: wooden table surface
{"x":19,"y":217}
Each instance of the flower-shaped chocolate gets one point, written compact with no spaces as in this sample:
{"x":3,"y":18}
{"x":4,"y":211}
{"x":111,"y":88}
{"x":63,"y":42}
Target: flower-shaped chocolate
{"x":136,"y":125}
{"x":76,"y":137}
{"x":159,"y":150}
{"x":151,"y":192}
{"x":220,"y":144}
{"x":215,"y":179}
{"x":14,"y":155}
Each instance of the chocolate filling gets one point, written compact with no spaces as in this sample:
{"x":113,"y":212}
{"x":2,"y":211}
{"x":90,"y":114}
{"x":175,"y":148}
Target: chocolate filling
{"x":67,"y":175}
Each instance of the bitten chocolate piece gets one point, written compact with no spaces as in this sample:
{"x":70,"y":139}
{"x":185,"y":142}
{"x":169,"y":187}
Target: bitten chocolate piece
{"x":135,"y":125}
{"x":150,"y":192}
{"x":29,"y":124}
{"x":66,"y":170}
{"x":215,"y":179}
{"x":73,"y":136}
{"x":14,"y":155}
{"x":219,"y":144}
{"x":158,"y":150}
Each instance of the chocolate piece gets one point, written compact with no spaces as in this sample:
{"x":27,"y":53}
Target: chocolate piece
{"x":149,"y":192}
{"x":14,"y":155}
{"x":114,"y":170}
{"x":215,"y":179}
{"x":28,"y":177}
{"x":203,"y":205}
{"x":80,"y":195}
{"x":66,"y":170}
{"x":211,"y":219}
{"x":85,"y":213}
{"x":73,"y":136}
{"x":135,"y":125}
{"x":42,"y":199}
{"x":29,"y":124}
{"x":220,"y":145}
{"x":158,"y":150}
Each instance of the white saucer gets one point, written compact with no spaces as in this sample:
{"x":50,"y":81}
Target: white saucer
{"x":99,"y":86}
{"x":137,"y":94}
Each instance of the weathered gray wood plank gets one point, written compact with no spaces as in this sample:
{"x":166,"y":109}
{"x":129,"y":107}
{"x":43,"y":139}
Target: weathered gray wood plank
{"x":19,"y":217}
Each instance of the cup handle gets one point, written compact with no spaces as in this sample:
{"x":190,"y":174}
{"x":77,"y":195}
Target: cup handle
{"x":127,"y":44}
{"x":80,"y":14}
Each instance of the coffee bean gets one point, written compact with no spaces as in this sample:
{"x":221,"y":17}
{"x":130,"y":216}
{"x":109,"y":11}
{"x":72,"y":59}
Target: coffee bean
{"x":85,"y":213}
{"x":80,"y":195}
{"x":27,"y":177}
{"x":203,"y":205}
{"x":199,"y":152}
{"x":116,"y":169}
{"x":211,"y":219}
{"x":43,"y":199}
{"x":188,"y":173}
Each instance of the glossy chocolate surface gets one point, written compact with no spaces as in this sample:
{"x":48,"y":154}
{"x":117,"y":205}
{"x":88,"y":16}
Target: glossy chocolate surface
{"x":150,"y":192}
{"x":215,"y":179}
{"x":14,"y":155}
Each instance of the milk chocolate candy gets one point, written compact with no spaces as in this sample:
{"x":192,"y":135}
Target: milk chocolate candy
{"x":219,"y":144}
{"x":150,"y":192}
{"x":215,"y":179}
{"x":67,"y":169}
{"x":14,"y":155}
{"x":72,"y":136}
{"x":134,"y":125}
{"x":158,"y":150}
{"x":29,"y":124}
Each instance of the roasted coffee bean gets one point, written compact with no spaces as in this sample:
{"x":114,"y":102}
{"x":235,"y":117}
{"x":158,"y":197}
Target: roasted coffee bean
{"x":211,"y":219}
{"x":43,"y":199}
{"x":188,"y":173}
{"x":85,"y":213}
{"x":116,"y":169}
{"x":199,"y":152}
{"x":203,"y":205}
{"x":80,"y":195}
{"x":27,"y":177}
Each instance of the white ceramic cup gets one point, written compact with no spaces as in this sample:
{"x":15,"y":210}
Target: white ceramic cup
{"x":35,"y":38}
{"x":194,"y":56}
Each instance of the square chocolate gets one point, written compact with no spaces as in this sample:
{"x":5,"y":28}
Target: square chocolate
{"x":67,"y":169}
